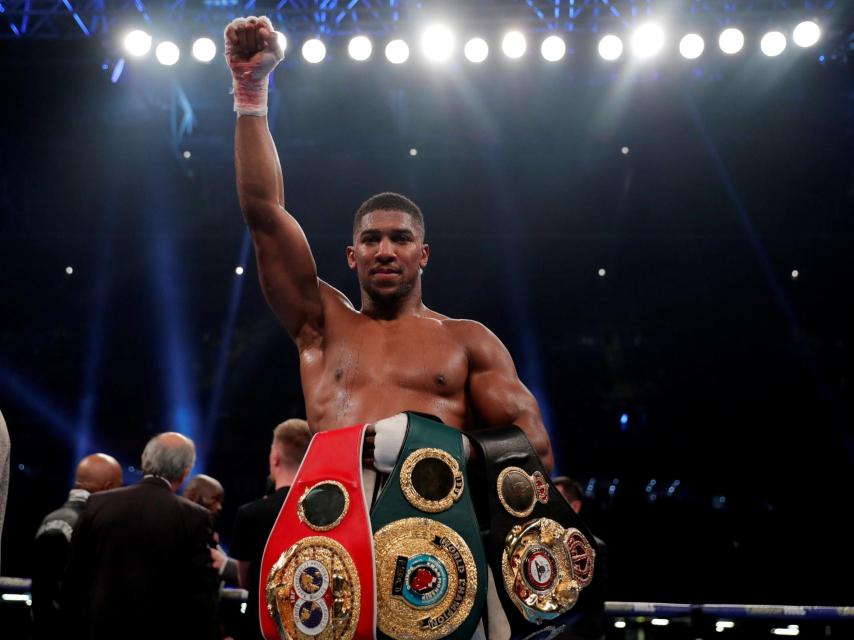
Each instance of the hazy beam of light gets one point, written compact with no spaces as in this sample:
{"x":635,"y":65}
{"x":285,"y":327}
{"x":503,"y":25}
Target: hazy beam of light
{"x":37,"y":402}
{"x":222,"y":357}
{"x":182,"y":413}
{"x":94,"y":350}
{"x":529,"y":358}
{"x":176,"y":375}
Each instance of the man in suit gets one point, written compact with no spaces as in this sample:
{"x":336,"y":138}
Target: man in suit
{"x":95,"y":473}
{"x":140,"y":556}
{"x":255,"y":520}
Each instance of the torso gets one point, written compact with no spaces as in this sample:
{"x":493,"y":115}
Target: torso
{"x":365,"y":369}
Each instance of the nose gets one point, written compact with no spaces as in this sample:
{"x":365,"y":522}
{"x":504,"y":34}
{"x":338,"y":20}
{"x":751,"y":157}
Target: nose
{"x":385,"y":248}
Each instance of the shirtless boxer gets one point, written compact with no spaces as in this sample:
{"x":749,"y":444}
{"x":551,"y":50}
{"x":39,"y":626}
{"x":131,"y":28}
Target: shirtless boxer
{"x":393,"y":354}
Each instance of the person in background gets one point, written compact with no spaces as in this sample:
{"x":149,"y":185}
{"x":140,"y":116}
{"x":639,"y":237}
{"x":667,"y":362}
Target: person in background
{"x":140,"y":557}
{"x":255,"y":520}
{"x":209,"y":493}
{"x":96,"y":472}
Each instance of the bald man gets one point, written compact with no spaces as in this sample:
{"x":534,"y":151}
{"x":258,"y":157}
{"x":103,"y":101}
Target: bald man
{"x":97,"y":472}
{"x":208,"y":492}
{"x":140,"y":556}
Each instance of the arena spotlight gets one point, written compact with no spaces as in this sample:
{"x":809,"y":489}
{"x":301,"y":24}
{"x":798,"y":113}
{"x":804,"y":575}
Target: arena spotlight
{"x":437,"y":43}
{"x":731,"y":41}
{"x":610,"y":47}
{"x":513,"y":44}
{"x":806,"y":34}
{"x":476,"y":50}
{"x":773,"y":44}
{"x":167,"y":53}
{"x":313,"y":51}
{"x":397,"y":52}
{"x":360,"y":48}
{"x":137,"y":43}
{"x":553,"y":48}
{"x":691,"y":46}
{"x":647,"y":40}
{"x":204,"y":49}
{"x":283,"y":41}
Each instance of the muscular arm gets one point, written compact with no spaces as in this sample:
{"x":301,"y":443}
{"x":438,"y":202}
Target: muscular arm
{"x":285,"y":264}
{"x":498,"y":396}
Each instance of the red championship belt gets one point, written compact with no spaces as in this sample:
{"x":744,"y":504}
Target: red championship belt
{"x":317,"y":573}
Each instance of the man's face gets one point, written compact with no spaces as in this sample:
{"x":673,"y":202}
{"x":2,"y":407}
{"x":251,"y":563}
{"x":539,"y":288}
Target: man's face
{"x":212,"y":500}
{"x":388,"y":253}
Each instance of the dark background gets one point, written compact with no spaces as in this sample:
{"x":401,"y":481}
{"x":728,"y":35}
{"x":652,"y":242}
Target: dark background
{"x":736,"y":378}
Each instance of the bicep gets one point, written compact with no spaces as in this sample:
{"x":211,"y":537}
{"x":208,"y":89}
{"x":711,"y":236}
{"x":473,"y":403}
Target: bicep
{"x":500,"y":398}
{"x":288,"y":273}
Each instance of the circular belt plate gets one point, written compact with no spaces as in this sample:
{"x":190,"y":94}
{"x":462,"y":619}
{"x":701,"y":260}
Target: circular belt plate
{"x":431,"y":480}
{"x":323,"y":506}
{"x":313,"y":591}
{"x":516,"y":491}
{"x":426,"y":579}
{"x":544,"y":567}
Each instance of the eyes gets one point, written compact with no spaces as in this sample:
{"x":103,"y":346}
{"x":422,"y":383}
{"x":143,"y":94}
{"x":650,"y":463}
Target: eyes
{"x":397,"y":237}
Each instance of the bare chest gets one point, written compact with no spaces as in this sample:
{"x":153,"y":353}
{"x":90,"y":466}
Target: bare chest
{"x":408,"y":356}
{"x":370,"y":370}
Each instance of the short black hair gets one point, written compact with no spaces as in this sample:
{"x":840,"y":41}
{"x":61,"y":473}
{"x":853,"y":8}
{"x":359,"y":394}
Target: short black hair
{"x":389,"y":201}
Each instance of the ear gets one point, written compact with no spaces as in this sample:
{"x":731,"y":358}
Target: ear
{"x":351,"y":257}
{"x":275,"y":457}
{"x":425,"y":255}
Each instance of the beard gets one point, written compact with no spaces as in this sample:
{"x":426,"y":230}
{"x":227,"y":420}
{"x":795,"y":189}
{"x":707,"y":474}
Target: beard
{"x":388,"y":297}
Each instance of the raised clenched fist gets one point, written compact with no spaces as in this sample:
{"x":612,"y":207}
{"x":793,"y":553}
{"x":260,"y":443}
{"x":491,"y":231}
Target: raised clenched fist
{"x":252,"y":50}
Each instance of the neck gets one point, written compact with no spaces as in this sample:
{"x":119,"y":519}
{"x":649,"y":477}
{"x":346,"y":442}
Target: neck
{"x":284,"y":477}
{"x":390,"y":309}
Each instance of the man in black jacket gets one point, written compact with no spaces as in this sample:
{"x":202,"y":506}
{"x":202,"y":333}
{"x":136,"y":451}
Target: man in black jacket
{"x":95,"y":473}
{"x":140,"y":556}
{"x":255,"y":519}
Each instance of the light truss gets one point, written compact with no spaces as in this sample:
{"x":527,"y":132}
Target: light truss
{"x":98,"y":18}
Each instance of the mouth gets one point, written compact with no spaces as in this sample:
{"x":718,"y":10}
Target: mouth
{"x":385,"y":271}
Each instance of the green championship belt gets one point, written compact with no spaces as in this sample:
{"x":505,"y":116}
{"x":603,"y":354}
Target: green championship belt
{"x":431,"y":566}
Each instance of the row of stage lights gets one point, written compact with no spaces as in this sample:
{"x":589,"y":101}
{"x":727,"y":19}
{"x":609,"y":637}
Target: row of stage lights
{"x":438,"y":44}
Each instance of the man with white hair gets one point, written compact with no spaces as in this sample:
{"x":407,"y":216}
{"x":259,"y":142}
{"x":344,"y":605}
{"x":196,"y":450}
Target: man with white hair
{"x":140,"y":556}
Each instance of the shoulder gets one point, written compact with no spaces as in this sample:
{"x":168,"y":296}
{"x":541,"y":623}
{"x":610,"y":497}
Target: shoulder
{"x":477,"y":339}
{"x":59,"y":522}
{"x":195,"y":511}
{"x":262,"y":506}
{"x":332,"y":296}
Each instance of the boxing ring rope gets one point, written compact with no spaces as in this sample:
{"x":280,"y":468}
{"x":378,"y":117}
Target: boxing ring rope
{"x":19,"y":588}
{"x":675,"y":610}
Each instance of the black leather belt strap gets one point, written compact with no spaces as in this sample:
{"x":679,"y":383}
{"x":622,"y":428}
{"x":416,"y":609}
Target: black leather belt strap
{"x":524,"y":506}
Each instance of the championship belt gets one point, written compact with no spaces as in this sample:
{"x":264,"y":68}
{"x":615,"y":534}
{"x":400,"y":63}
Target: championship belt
{"x":537,"y":543}
{"x":431,"y":566}
{"x":317,"y":573}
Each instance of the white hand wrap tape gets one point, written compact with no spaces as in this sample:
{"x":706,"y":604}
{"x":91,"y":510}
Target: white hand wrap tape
{"x":250,"y":77}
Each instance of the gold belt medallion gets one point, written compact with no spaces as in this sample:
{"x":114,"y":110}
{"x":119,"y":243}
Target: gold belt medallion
{"x":426,"y":579}
{"x":431,"y":480}
{"x":544,"y":568}
{"x":313,"y":591}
